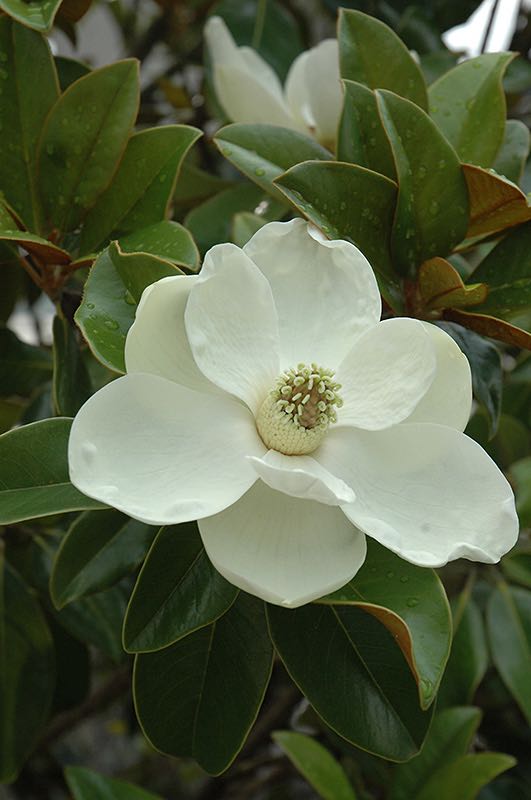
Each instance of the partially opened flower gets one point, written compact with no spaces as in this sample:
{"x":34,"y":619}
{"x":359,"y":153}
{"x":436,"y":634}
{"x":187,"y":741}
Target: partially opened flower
{"x":250,"y":91}
{"x":265,"y":398}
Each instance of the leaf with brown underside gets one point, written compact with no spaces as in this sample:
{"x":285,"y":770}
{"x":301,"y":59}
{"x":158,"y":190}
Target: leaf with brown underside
{"x":490,"y":326}
{"x":495,"y":202}
{"x":441,"y":286}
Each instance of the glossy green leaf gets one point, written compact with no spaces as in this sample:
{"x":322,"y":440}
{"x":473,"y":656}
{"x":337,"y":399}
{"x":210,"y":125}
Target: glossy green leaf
{"x":517,"y":565}
{"x":361,"y":138}
{"x":36,"y":14}
{"x":349,"y":202}
{"x":24,"y":105}
{"x":468,"y":105}
{"x":316,"y":764}
{"x":112,"y":291}
{"x":521,"y":475}
{"x":485,"y":363}
{"x":27,"y":672}
{"x":177,"y":592}
{"x":469,"y":656}
{"x":23,"y":367}
{"x":69,"y":70}
{"x":507,"y":270}
{"x":165,"y":239}
{"x":371,"y":53}
{"x":141,"y":190}
{"x":211,"y":222}
{"x":71,"y":380}
{"x":354,"y":675}
{"x":200,"y":697}
{"x":514,"y":150}
{"x":263,"y":152}
{"x":244,"y":226}
{"x":509,"y":629}
{"x":432,"y":208}
{"x":410,"y":601}
{"x":88,"y":785}
{"x":465,"y":777}
{"x":99,"y":549}
{"x":449,"y":738}
{"x":84,"y":137}
{"x":36,"y":245}
{"x":34,"y":478}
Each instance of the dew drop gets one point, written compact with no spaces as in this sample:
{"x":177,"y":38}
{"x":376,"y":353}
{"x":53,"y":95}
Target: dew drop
{"x":404,"y":578}
{"x":89,"y":305}
{"x":390,"y":574}
{"x":111,"y":324}
{"x":259,"y":172}
{"x":411,"y":602}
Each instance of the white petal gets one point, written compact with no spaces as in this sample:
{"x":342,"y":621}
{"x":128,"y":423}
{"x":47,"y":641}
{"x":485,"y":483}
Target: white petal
{"x":157,"y":342}
{"x":386,"y":373}
{"x":232,"y":325}
{"x":160,"y":452}
{"x":246,"y":86}
{"x":448,"y":401}
{"x":285,"y":550}
{"x":325,"y":292}
{"x":427,"y":492}
{"x":303,"y":477}
{"x":313,"y":90}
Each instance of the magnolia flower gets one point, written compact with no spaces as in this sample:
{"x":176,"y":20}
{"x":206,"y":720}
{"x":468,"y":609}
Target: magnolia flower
{"x":250,"y":91}
{"x":265,"y":399}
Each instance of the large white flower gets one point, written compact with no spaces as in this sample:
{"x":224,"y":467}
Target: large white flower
{"x":265,"y":398}
{"x":250,"y":91}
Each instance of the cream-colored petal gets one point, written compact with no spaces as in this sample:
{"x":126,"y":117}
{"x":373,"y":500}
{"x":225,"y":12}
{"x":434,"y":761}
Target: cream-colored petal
{"x":385,"y":375}
{"x":160,"y":452}
{"x":157,"y":342}
{"x":246,"y":86}
{"x":313,"y":90}
{"x":285,"y":550}
{"x":303,"y":477}
{"x":448,"y":401}
{"x":325,"y":292}
{"x":232,"y":325}
{"x":425,"y":491}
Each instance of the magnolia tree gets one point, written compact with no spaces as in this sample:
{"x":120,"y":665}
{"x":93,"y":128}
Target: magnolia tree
{"x":261,"y":476}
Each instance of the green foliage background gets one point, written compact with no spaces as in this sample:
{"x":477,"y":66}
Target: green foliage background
{"x":108,"y":184}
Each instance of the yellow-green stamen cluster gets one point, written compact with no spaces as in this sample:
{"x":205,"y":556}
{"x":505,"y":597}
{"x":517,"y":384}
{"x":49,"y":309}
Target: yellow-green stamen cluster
{"x":296,"y":414}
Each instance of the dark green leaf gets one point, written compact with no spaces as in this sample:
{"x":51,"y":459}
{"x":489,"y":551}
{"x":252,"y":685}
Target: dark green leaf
{"x":432,"y":209}
{"x":84,"y":137}
{"x":177,"y":592}
{"x":517,"y":565}
{"x":69,"y":70}
{"x":410,"y":601}
{"x":87,"y":785}
{"x":244,"y":226}
{"x":469,"y":657}
{"x":349,"y":202}
{"x":372,"y":54}
{"x":141,"y":190}
{"x":509,"y":629}
{"x":112,"y":291}
{"x":468,"y":105}
{"x":27,"y":672}
{"x":316,"y":764}
{"x":73,"y":668}
{"x":449,"y":738}
{"x":23,"y":367}
{"x":362,"y":139}
{"x":465,"y":777}
{"x":34,"y":478}
{"x":514,"y":150}
{"x":71,"y":381}
{"x":354,"y":675}
{"x":99,"y":549}
{"x":200,"y":697}
{"x":485,"y":363}
{"x":521,"y":473}
{"x":507,"y":270}
{"x":165,"y":239}
{"x":24,"y":105}
{"x":263,"y":152}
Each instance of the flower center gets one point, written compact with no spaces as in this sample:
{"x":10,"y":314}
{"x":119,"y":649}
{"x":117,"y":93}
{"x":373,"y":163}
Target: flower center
{"x":295,"y":415}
